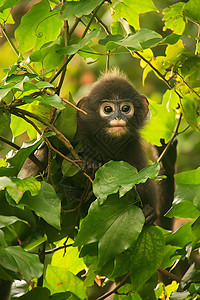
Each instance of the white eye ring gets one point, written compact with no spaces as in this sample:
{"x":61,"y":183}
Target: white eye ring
{"x":129,"y":105}
{"x":106,"y":109}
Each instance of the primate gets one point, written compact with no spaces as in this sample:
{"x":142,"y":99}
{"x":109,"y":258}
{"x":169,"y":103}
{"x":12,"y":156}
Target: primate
{"x":110,"y":131}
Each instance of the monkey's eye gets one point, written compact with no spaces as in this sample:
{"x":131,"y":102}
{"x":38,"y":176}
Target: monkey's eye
{"x":108,"y":109}
{"x":126,"y":108}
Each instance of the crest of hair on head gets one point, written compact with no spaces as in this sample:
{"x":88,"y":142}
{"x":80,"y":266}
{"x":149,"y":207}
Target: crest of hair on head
{"x":113,"y":73}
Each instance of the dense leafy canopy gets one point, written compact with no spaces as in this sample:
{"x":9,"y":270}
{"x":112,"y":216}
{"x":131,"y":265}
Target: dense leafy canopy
{"x":47,"y":237}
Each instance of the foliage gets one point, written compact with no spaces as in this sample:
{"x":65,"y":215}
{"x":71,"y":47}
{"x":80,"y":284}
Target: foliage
{"x":47,"y":238}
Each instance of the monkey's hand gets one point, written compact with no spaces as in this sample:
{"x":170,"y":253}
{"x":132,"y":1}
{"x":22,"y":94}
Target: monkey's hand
{"x":91,"y":162}
{"x":150,"y":214}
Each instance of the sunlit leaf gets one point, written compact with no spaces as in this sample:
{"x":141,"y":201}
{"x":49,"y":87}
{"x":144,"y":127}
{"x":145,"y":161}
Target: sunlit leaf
{"x":78,"y":8}
{"x":59,"y":280}
{"x":173,"y":18}
{"x":166,"y":120}
{"x":38,"y":26}
{"x":68,"y":257}
{"x":130,"y":10}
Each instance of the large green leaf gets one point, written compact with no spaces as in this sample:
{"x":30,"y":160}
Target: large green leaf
{"x":119,"y":176}
{"x":39,"y":26}
{"x":25,"y":265}
{"x":45,"y":204}
{"x":146,"y":256}
{"x":78,"y":8}
{"x":115,"y":224}
{"x":59,"y":280}
{"x":130,"y":10}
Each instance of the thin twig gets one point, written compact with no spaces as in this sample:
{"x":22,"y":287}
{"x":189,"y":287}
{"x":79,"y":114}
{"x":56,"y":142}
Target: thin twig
{"x":67,"y":158}
{"x":172,"y":138}
{"x":115,"y":288}
{"x":74,"y":106}
{"x":51,"y":251}
{"x":168,"y":274}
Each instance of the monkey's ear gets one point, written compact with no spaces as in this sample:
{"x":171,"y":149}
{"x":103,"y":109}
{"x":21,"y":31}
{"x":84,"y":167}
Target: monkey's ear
{"x":145,"y":105}
{"x":83,"y":103}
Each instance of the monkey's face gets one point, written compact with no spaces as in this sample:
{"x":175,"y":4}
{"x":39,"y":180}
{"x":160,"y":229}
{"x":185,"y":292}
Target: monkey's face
{"x":116,"y":113}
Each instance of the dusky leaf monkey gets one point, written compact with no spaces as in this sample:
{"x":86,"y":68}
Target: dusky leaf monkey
{"x":110,"y":131}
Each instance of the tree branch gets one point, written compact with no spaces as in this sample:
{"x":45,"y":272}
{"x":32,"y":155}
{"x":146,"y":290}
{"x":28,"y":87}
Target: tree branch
{"x":60,"y":136}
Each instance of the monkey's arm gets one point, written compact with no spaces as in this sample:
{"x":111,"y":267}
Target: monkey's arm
{"x":91,"y":159}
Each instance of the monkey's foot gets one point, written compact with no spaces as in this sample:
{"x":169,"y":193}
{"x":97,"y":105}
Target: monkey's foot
{"x":150,"y":214}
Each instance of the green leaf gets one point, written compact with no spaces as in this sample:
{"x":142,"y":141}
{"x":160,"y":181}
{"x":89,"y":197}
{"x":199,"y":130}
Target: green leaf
{"x":70,"y":258}
{"x":131,"y":9}
{"x":166,"y":119}
{"x":188,"y":187}
{"x":170,"y":256}
{"x":182,"y":236}
{"x":27,"y":184}
{"x":8,"y":3}
{"x":184,"y":209}
{"x":38,"y":26}
{"x":59,"y":280}
{"x":187,"y":195}
{"x":53,"y":100}
{"x":74,"y":48}
{"x":173,"y":18}
{"x":78,"y":8}
{"x":192,"y":11}
{"x":66,"y":121}
{"x":5,"y":181}
{"x":19,"y":126}
{"x":189,"y":110}
{"x":26,"y":265}
{"x":146,"y":256}
{"x":6,"y":221}
{"x":143,"y":39}
{"x":119,"y":176}
{"x":17,"y":161}
{"x":116,"y":224}
{"x":45,"y":204}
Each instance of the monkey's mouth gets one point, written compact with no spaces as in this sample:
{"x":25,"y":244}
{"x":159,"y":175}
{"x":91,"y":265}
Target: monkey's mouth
{"x":117,"y":130}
